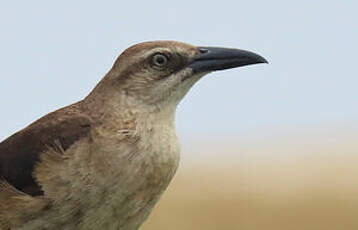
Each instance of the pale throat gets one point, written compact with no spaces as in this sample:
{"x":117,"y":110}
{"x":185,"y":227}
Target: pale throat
{"x":156,"y":121}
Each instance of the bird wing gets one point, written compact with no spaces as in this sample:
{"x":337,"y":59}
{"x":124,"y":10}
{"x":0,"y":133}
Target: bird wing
{"x":20,"y":152}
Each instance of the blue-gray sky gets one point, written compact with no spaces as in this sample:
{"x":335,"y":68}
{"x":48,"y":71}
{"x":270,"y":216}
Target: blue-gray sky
{"x":54,"y":52}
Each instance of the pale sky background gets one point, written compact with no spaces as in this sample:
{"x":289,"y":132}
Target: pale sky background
{"x":54,"y":52}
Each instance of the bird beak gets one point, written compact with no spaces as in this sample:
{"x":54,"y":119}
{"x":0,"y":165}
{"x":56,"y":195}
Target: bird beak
{"x":215,"y":58}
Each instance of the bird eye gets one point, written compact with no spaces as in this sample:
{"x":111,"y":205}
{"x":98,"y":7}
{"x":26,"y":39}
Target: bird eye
{"x":160,"y":60}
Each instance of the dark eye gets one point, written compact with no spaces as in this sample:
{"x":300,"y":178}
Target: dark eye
{"x":159,"y":60}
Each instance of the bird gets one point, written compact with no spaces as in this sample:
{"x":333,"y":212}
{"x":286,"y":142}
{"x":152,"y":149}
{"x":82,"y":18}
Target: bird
{"x":105,"y":161}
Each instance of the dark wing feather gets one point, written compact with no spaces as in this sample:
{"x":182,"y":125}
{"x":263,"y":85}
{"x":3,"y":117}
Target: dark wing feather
{"x":20,"y":152}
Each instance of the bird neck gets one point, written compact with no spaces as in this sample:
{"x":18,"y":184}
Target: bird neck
{"x":122,"y":111}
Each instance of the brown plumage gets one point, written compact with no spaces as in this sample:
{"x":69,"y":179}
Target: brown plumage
{"x":103,"y":162}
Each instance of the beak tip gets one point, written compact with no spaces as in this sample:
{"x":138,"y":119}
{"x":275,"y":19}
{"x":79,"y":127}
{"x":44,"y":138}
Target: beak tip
{"x":263,"y":60}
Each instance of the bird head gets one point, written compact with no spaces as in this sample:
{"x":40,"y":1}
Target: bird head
{"x":160,"y":73}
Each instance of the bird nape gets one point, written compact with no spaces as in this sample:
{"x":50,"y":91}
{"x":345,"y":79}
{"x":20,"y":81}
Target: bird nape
{"x":103,"y":162}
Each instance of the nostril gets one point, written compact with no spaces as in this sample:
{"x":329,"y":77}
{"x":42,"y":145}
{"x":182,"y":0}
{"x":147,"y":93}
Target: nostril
{"x":203,"y":50}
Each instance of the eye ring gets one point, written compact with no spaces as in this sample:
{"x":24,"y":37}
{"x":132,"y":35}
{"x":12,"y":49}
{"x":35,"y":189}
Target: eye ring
{"x":160,"y":60}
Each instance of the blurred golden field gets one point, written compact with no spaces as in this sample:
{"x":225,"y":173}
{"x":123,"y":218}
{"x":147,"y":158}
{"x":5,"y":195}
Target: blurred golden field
{"x":286,"y":181}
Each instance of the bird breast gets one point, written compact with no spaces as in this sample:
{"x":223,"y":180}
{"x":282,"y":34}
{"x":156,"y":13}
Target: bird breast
{"x":137,"y":170}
